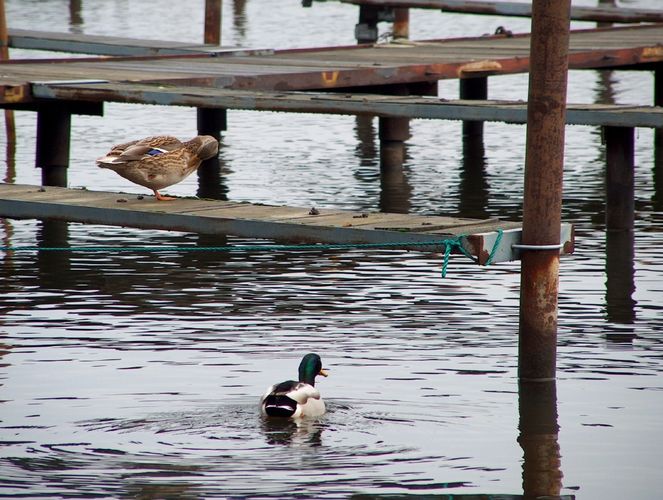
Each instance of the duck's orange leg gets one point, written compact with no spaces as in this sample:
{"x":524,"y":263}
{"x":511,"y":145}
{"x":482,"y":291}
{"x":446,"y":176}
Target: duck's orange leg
{"x":161,"y":197}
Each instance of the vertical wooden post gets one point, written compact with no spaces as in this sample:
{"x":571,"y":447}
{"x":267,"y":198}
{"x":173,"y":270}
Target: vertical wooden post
{"x":366,"y":30}
{"x":395,"y":190}
{"x":473,"y":88}
{"x":401,"y":27}
{"x":75,"y":15}
{"x":619,"y":221}
{"x":620,"y":184}
{"x":544,"y":162}
{"x":211,"y":121}
{"x":393,"y":133}
{"x":53,"y":137}
{"x":213,"y":22}
{"x":658,"y":140}
{"x":538,"y":437}
{"x":10,"y":123}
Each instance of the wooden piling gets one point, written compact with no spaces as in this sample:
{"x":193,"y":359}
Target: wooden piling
{"x":366,"y":30}
{"x":473,"y":88}
{"x":544,"y":161}
{"x":401,"y":27}
{"x":620,"y":183}
{"x":10,"y":122}
{"x":213,"y":22}
{"x":393,"y":133}
{"x":658,"y":139}
{"x":619,"y":221}
{"x":211,"y":121}
{"x":53,"y":137}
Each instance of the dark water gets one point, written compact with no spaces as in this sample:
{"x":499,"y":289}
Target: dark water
{"x":138,"y":375}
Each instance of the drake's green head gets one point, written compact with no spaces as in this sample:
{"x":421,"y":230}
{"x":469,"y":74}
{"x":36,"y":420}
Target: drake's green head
{"x":310,"y":367}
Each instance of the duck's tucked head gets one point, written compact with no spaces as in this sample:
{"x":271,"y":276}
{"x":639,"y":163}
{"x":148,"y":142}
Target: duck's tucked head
{"x":205,"y":146}
{"x":310,"y":367}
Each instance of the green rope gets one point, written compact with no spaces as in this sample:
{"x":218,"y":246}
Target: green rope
{"x":498,"y":239}
{"x":448,"y":244}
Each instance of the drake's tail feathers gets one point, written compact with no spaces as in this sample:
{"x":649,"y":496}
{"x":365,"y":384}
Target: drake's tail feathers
{"x":277,"y":405}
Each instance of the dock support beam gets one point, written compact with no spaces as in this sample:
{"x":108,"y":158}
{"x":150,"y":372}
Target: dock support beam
{"x":53,"y":138}
{"x":544,"y":162}
{"x":473,"y":88}
{"x":619,"y":221}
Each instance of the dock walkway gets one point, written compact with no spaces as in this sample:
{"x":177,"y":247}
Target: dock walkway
{"x":339,"y":68}
{"x":264,"y":221}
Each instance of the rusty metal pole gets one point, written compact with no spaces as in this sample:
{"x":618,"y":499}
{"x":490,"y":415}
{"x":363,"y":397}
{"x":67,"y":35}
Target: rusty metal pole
{"x":544,"y":162}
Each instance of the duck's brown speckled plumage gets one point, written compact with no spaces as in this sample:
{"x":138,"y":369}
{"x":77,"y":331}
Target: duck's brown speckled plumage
{"x":159,"y":161}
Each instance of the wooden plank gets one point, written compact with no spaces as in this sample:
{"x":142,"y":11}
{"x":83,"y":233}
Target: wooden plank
{"x":330,"y":103}
{"x":259,"y":221}
{"x":109,"y":45}
{"x":605,"y":14}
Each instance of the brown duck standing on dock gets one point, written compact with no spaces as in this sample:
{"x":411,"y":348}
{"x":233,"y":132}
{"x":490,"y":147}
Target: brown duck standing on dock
{"x":159,"y":161}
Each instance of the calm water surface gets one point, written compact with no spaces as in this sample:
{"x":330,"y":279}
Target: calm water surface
{"x":137,"y":375}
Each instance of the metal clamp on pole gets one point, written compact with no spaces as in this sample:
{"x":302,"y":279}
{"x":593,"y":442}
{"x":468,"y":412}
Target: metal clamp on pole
{"x":538,"y":247}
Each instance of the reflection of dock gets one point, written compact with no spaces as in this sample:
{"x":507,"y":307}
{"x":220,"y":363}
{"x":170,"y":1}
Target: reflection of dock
{"x":264,"y":221}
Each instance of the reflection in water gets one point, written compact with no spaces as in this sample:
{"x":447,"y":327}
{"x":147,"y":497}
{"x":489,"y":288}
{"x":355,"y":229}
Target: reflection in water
{"x":239,"y":21}
{"x":283,"y":431}
{"x":474,"y":189}
{"x":76,"y":16}
{"x":54,"y":268}
{"x":538,"y":438}
{"x":620,"y":276}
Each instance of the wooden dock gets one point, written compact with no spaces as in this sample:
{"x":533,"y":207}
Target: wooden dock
{"x":264,"y":221}
{"x":381,"y":65}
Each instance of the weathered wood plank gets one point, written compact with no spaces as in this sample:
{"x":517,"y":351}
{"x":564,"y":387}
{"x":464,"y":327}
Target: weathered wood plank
{"x":108,"y":45}
{"x":260,"y":221}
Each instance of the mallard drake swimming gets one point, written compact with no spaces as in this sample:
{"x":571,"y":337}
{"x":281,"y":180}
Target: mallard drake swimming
{"x":159,"y":161}
{"x":294,"y":399}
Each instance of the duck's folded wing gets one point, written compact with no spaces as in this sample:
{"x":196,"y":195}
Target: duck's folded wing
{"x":302,"y":392}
